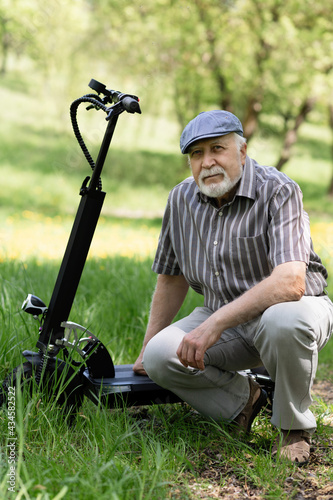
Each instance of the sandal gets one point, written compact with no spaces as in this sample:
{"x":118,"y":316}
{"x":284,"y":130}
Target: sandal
{"x":295,"y":446}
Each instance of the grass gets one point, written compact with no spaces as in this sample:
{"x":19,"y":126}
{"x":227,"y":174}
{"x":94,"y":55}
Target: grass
{"x":152,"y":452}
{"x":145,"y":453}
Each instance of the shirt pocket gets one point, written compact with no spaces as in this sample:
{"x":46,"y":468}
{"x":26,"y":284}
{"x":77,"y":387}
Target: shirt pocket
{"x":249,"y":257}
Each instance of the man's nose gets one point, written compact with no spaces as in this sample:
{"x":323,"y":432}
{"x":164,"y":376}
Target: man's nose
{"x":208,"y":160}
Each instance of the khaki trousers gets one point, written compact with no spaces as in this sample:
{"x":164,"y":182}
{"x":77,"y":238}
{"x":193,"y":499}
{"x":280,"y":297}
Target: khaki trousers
{"x":286,"y":339}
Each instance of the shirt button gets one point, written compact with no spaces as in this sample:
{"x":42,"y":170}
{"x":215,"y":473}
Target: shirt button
{"x":220,"y":214}
{"x":217,"y":273}
{"x":215,"y":242}
{"x":226,"y":301}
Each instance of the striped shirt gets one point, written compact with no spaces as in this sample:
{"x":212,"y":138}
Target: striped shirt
{"x":223,"y":252}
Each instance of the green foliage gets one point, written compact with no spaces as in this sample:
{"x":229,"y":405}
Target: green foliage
{"x":250,"y":56}
{"x":267,"y":55}
{"x":42,"y":166}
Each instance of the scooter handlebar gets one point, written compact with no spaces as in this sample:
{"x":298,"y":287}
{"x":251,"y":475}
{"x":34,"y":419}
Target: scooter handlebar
{"x":129,"y":102}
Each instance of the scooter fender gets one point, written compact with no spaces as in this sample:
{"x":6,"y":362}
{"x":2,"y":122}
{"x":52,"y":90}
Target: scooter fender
{"x":99,"y":361}
{"x":96,"y":356}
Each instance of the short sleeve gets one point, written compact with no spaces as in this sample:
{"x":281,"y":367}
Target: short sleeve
{"x":289,"y":229}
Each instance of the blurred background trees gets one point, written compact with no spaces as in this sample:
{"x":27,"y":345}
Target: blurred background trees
{"x":268,"y":61}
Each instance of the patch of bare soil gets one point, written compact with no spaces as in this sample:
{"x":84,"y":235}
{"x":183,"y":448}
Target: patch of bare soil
{"x":324,"y":390}
{"x":219,"y":480}
{"x":216,"y":479}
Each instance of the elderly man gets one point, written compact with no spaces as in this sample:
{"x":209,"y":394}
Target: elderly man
{"x":236,"y":232}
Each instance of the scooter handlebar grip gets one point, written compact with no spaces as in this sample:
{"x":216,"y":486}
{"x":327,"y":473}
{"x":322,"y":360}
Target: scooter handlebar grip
{"x":131,"y":105}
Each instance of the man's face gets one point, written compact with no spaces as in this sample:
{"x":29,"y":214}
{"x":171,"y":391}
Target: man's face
{"x":217,"y":166}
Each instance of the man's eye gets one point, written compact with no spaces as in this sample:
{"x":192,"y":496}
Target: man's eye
{"x":196,"y":152}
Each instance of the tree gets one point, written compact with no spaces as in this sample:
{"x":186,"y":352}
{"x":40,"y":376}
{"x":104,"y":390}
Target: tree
{"x":248,"y":56}
{"x":330,"y":119}
{"x":5,"y":42}
{"x":9,"y":33}
{"x":252,"y":57}
{"x":50,"y":34}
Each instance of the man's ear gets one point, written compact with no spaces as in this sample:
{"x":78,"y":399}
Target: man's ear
{"x":243,"y":153}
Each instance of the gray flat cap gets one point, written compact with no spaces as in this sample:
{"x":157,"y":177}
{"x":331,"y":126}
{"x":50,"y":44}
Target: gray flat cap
{"x":209,"y":124}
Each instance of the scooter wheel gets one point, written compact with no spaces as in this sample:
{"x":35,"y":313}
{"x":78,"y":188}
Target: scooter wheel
{"x":24,"y":374}
{"x":22,"y":378}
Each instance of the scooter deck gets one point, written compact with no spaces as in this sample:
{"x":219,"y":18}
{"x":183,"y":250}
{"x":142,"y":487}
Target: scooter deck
{"x":127,"y":388}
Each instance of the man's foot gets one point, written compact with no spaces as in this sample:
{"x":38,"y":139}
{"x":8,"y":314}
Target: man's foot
{"x":256,"y":401}
{"x":294,"y":446}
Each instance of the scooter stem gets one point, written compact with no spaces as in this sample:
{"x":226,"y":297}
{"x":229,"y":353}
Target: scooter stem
{"x":77,"y":250}
{"x":93,"y":185}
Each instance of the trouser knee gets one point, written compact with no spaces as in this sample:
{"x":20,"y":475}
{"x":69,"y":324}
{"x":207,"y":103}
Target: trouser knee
{"x":284,"y":325}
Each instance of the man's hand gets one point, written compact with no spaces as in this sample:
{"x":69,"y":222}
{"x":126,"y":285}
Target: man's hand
{"x":192,"y":348}
{"x":138,"y":366}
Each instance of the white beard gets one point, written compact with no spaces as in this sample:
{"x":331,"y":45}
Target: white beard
{"x":221,"y":188}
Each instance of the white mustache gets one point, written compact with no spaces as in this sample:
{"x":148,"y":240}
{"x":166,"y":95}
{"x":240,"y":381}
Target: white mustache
{"x":212,"y":171}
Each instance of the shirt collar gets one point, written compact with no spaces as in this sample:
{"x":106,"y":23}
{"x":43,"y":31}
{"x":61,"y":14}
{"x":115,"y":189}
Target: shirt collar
{"x":247,"y":186}
{"x":248,"y":183}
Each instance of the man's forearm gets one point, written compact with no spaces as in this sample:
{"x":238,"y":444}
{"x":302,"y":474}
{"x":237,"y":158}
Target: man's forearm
{"x":168,"y":298}
{"x":286,"y":283}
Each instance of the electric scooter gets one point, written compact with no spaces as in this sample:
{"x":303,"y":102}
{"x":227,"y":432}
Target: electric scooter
{"x":53,"y":366}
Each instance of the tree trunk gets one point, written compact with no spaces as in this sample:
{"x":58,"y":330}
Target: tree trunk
{"x":250,"y":121}
{"x":330,"y":111}
{"x":5,"y":43}
{"x":291,"y":135}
